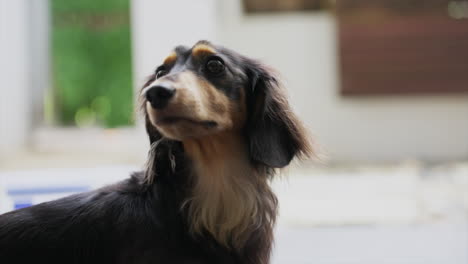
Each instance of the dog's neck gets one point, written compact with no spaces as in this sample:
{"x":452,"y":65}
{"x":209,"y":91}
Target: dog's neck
{"x":230,"y":199}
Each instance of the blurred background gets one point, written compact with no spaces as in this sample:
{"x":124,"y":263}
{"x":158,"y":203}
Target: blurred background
{"x":382,"y":85}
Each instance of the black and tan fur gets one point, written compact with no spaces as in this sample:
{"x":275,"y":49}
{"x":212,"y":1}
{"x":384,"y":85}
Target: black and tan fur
{"x":204,"y":196}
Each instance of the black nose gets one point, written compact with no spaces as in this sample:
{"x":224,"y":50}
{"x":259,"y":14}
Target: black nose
{"x":159,"y":95}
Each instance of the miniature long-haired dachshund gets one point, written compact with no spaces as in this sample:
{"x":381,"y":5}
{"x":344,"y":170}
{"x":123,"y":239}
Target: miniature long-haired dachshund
{"x":219,"y":126}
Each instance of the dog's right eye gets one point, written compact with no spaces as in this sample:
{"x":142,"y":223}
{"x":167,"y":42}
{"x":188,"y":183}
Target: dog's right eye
{"x":215,"y":66}
{"x":160,"y":73}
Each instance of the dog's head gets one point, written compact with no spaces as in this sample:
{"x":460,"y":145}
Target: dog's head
{"x":207,"y":90}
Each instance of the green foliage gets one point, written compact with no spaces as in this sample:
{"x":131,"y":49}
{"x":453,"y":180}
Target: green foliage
{"x":92,"y":62}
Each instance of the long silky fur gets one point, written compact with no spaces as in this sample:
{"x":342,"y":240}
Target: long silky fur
{"x":202,"y":201}
{"x":230,"y":199}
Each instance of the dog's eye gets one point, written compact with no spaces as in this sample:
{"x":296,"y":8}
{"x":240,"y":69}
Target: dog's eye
{"x":160,"y":73}
{"x":215,"y":66}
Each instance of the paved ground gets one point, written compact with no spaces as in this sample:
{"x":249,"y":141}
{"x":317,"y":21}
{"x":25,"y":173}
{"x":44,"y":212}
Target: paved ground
{"x":443,"y":243}
{"x":408,"y":214}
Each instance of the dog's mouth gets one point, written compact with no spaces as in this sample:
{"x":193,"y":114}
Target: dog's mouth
{"x":172,"y":120}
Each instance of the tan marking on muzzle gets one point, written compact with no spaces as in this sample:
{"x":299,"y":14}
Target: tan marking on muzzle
{"x":208,"y":102}
{"x":197,"y":100}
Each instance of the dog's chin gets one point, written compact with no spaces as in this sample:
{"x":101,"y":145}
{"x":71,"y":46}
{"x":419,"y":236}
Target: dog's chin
{"x":183,"y":124}
{"x":178,"y":128}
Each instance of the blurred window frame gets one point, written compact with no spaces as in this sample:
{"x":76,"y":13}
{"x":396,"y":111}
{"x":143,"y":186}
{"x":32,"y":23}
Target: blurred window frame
{"x":46,"y":136}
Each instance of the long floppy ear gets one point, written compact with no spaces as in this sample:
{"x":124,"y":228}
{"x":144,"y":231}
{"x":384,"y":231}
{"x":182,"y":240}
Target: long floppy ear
{"x":275,"y":135}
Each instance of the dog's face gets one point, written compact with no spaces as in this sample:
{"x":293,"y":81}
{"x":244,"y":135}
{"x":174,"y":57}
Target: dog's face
{"x":196,"y":92}
{"x":208,"y":89}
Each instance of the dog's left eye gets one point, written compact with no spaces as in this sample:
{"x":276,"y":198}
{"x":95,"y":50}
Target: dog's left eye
{"x":160,"y":73}
{"x":215,"y":66}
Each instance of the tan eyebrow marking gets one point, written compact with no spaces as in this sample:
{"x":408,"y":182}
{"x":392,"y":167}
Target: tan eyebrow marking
{"x":171,"y":58}
{"x":202,"y":49}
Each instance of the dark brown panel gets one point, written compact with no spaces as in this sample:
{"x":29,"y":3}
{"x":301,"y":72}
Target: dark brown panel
{"x":255,"y":6}
{"x":402,"y":46}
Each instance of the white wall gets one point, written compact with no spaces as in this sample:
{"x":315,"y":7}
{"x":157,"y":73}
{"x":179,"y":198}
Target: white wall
{"x":24,"y":70}
{"x":158,"y":26}
{"x":380,"y":128}
{"x":14,"y":72}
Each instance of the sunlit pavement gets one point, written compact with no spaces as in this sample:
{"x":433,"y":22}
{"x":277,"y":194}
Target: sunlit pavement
{"x":372,"y":215}
{"x":443,"y":243}
{"x":367,"y":215}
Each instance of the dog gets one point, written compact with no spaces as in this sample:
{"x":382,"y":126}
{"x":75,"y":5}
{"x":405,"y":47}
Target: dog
{"x":220,"y":127}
